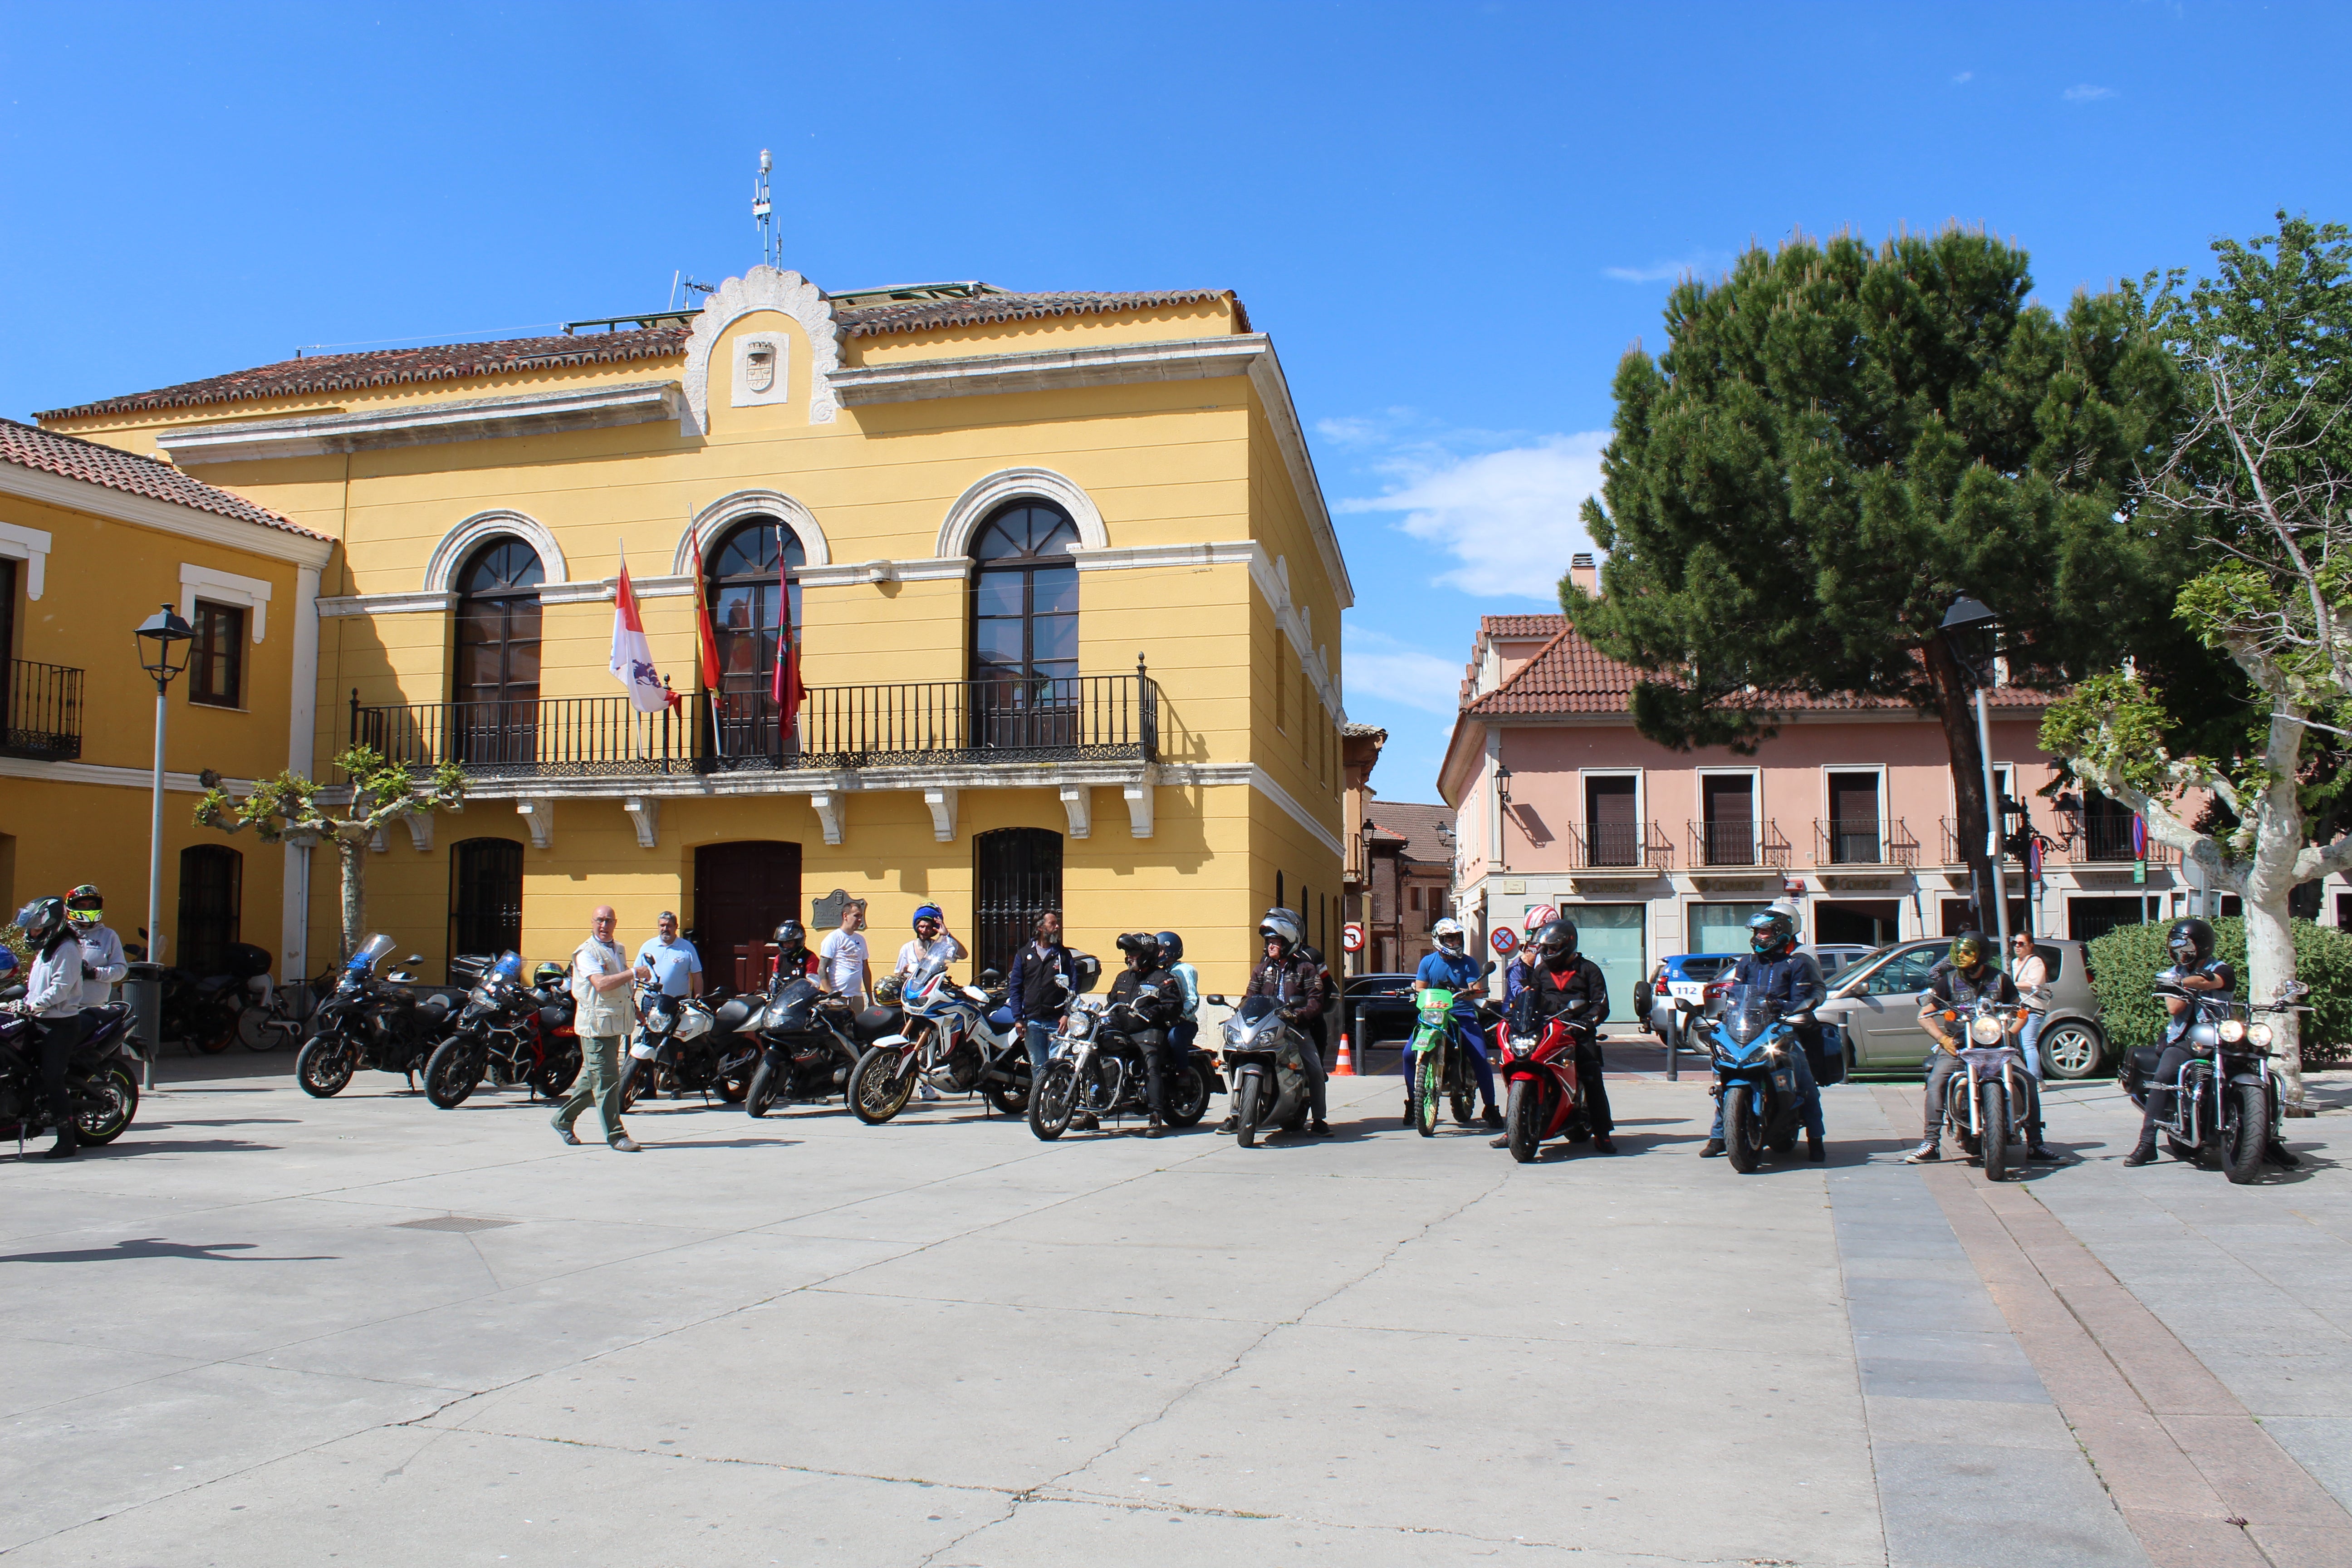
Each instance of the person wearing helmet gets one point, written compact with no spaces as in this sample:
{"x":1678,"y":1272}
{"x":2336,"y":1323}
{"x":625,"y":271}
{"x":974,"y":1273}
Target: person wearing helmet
{"x":102,"y":962}
{"x":53,"y":998}
{"x":932,"y":947}
{"x":1157,"y":1011}
{"x":2194,"y":968}
{"x":1773,"y":967}
{"x":1571,"y":987}
{"x":1453,"y":968}
{"x":1297,"y":985}
{"x":793,"y":960}
{"x":1966,"y":978}
{"x":1520,"y":972}
{"x":1187,"y":1028}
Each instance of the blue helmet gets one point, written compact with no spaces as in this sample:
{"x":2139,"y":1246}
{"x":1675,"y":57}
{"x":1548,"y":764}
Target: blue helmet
{"x":930,"y":913}
{"x":1171,"y":947}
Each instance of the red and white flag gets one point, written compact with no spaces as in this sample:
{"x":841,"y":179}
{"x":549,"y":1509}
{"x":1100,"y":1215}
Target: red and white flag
{"x":633,"y":656}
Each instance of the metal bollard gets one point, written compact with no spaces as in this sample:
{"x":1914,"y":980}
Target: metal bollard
{"x":142,"y":987}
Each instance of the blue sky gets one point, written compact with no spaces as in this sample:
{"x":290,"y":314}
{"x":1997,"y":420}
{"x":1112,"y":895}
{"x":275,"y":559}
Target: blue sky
{"x":1453,"y":218}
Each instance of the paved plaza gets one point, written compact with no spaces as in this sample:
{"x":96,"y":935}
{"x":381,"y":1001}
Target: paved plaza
{"x":268,"y":1329}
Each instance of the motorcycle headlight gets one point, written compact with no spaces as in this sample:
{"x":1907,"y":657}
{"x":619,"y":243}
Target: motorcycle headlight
{"x":2260,"y":1034}
{"x":1985,"y":1031}
{"x":2232,"y":1031}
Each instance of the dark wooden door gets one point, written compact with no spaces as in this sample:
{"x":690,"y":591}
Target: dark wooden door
{"x":1017,"y":876}
{"x":743,"y":892}
{"x":211,"y":901}
{"x":486,"y":897}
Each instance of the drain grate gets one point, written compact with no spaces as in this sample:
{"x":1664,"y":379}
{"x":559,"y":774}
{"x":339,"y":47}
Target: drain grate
{"x":456,"y":1222}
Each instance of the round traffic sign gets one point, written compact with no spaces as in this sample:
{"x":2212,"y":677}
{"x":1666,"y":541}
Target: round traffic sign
{"x":1351,"y":937}
{"x":1505,"y":939}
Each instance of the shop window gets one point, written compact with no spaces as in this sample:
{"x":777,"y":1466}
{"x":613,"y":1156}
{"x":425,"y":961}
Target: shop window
{"x":216,"y":657}
{"x":212,"y":896}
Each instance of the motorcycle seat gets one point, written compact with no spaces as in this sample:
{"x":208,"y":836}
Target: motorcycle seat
{"x":876,"y":1022}
{"x":738,"y":1011}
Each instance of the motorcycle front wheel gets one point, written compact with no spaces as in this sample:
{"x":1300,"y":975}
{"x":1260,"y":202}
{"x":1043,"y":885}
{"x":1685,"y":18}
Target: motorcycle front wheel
{"x":1992,"y":1123}
{"x":452,"y":1073}
{"x":1522,"y":1110}
{"x":104,"y":1124}
{"x":1245,"y":1110}
{"x":1743,"y":1130}
{"x":1425,"y":1093}
{"x":761,"y":1094}
{"x":2247,"y":1137}
{"x":1055,"y":1102}
{"x":323,"y":1067}
{"x":878,"y":1089}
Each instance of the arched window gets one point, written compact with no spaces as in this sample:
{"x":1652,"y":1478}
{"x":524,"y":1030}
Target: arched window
{"x":212,"y":903}
{"x":749,"y":614}
{"x":1024,"y":627}
{"x":497,"y":719}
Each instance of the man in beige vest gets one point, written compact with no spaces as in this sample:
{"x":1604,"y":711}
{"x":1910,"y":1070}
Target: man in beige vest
{"x":601,"y":977}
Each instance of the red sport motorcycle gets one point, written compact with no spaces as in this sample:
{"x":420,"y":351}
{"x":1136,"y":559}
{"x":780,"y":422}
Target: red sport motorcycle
{"x":1536,"y":1056}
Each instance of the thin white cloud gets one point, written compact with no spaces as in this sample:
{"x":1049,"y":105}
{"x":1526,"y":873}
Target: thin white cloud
{"x":1507,"y":517}
{"x":1382,"y":669}
{"x":1964,"y":78}
{"x":1670,"y":271}
{"x":2087,"y":92}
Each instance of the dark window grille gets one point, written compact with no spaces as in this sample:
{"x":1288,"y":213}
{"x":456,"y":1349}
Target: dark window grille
{"x":1017,"y":876}
{"x":2106,"y":829}
{"x":216,"y":657}
{"x":497,"y":709}
{"x":212,"y":898}
{"x":485,"y":897}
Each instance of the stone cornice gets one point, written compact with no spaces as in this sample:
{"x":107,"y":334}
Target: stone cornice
{"x":419,"y":603}
{"x":169,"y":517}
{"x":464,"y":420}
{"x":125,"y":778}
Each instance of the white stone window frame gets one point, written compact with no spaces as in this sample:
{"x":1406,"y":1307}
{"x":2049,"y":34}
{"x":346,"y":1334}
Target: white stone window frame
{"x":30,"y":545}
{"x":251,"y":593}
{"x":779,"y":391}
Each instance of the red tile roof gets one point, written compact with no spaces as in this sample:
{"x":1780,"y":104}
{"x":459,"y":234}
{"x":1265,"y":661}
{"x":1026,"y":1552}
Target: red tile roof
{"x":30,"y":447}
{"x":1569,"y":674}
{"x":1415,"y":823}
{"x":458,"y":361}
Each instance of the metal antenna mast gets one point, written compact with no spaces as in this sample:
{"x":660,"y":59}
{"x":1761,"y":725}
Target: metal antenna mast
{"x":772,"y":244}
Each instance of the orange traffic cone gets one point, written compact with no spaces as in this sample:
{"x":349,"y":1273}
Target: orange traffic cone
{"x":1346,"y":1065}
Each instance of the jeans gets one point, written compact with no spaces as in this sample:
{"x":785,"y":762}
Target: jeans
{"x":1039,"y":1035}
{"x":1312,"y":1061}
{"x":1809,"y":1094}
{"x":598,"y":1085}
{"x":1465,"y":1033}
{"x":2029,"y":1039}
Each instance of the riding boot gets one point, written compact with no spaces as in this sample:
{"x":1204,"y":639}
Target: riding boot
{"x":2144,"y":1151}
{"x":1155,"y":1128}
{"x":1492,"y":1117}
{"x":69,"y":1142}
{"x":2278,"y":1155}
{"x":1814,"y":1153}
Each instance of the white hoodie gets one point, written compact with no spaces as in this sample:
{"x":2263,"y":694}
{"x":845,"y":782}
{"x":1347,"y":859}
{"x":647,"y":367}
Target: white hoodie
{"x":53,"y":989}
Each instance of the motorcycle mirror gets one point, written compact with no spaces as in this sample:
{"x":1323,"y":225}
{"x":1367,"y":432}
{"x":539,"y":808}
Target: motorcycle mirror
{"x":1214,"y":1000}
{"x":413,"y":958}
{"x":1489,"y":969}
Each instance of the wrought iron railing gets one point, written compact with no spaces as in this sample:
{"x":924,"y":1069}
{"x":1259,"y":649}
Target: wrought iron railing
{"x":41,"y":704}
{"x":1863,"y":841}
{"x":1630,"y":845}
{"x":1953,"y":854}
{"x":1739,"y":841}
{"x":2108,"y":838}
{"x":922,"y":724}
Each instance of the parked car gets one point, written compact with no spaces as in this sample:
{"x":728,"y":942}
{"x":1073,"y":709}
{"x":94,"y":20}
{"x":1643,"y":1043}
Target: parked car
{"x":1874,"y":1005}
{"x":1687,"y":974}
{"x":1836,"y":958}
{"x":1378,"y":1007}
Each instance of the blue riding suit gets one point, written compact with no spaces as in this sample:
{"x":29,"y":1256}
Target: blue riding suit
{"x":1793,"y":981}
{"x":1457,"y":971}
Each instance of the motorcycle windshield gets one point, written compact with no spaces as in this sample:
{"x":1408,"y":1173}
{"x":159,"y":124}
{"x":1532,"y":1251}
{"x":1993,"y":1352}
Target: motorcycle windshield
{"x":371,"y":952}
{"x":509,"y":964}
{"x":1748,"y":1014}
{"x":793,"y":1009}
{"x":1253,"y":1008}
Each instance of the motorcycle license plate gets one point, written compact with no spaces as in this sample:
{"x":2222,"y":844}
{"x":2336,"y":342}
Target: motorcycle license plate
{"x":1785,"y":1082}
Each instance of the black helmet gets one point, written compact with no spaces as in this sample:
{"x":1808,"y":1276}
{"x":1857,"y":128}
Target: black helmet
{"x":1171,"y":947}
{"x":791,"y":935}
{"x":2194,"y":935}
{"x":42,"y":920}
{"x":1770,"y":930}
{"x":1142,"y":947}
{"x":1554,"y":939}
{"x":1968,"y":949}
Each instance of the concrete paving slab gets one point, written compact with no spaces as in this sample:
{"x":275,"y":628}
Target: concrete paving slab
{"x":1950,"y":1507}
{"x":2321,"y":1445}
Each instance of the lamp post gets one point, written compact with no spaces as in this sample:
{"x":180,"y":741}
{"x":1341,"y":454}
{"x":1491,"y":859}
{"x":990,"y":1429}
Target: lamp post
{"x":1502,"y":810}
{"x":1968,"y":630}
{"x":164,"y":641}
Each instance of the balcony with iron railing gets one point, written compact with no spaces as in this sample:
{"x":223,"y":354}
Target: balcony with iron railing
{"x":1953,"y":855}
{"x":1738,"y":842}
{"x":940,"y":724}
{"x":1867,"y":841}
{"x":2104,"y":839}
{"x":40,"y":712}
{"x":1630,"y":848}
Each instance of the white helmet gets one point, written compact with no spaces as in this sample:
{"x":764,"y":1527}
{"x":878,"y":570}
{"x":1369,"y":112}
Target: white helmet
{"x":1282,"y":924}
{"x":1448,"y":932}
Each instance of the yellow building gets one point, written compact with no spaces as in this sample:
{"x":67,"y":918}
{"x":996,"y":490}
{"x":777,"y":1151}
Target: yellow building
{"x":91,"y":540}
{"x":1066,"y":591}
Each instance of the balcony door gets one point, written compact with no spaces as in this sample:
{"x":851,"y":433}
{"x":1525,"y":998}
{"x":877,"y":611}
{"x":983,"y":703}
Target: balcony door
{"x":2106,"y":827}
{"x":1017,"y":876}
{"x":1025,"y":624}
{"x":1612,"y":831}
{"x":743,"y":892}
{"x":7,"y":648}
{"x":1853,"y":819}
{"x":1727,"y":818}
{"x":496,"y":722}
{"x":748,"y":613}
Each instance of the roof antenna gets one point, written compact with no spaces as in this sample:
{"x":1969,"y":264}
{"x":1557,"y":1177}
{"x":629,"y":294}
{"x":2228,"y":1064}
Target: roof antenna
{"x":772,"y":244}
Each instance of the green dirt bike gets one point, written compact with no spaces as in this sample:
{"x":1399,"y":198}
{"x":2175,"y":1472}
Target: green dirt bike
{"x":1439,"y":1069}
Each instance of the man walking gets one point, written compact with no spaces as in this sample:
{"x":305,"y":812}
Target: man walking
{"x":601,"y":976}
{"x":842,"y":966}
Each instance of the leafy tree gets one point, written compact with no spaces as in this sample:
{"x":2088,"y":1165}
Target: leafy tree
{"x":379,"y":793}
{"x":1837,"y":443}
{"x":2259,"y":481}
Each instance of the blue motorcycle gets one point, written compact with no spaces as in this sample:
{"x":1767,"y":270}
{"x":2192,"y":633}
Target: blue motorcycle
{"x":1755,"y":1048}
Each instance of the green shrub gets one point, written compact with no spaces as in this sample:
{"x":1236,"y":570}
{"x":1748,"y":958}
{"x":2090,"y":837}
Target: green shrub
{"x":2128,"y":958}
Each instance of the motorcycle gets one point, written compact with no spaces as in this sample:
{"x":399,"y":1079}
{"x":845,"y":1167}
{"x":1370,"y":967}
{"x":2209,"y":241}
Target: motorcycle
{"x":1097,"y":1069}
{"x":1989,"y":1111}
{"x":1543,"y":1098}
{"x":510,"y":1034}
{"x":809,"y":1041}
{"x":2227,"y":1104}
{"x":1750,"y":1043}
{"x":1265,"y":1069}
{"x":680,"y":1046}
{"x":101,"y":1075}
{"x":952,"y":1041}
{"x":1439,"y":1064}
{"x":372,"y":1022}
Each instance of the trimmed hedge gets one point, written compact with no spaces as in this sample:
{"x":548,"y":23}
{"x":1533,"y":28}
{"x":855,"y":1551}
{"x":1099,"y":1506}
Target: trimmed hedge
{"x":2129,"y":958}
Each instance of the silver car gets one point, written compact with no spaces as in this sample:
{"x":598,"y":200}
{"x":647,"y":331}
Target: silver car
{"x":1874,"y":1005}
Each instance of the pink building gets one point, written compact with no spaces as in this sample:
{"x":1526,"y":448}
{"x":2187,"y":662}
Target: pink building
{"x":1849,"y":813}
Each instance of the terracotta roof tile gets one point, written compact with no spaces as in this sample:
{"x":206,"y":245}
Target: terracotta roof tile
{"x":1416,"y":825}
{"x":30,"y":447}
{"x":924,"y":315}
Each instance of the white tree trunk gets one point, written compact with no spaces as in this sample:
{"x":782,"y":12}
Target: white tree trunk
{"x":354,"y":867}
{"x":2277,"y":821}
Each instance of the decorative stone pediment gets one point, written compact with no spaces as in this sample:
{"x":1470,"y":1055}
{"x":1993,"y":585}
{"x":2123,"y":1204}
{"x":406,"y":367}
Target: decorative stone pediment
{"x":761,"y":289}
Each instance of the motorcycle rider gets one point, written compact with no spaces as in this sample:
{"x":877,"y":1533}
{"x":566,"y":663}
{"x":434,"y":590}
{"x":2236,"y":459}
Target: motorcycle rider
{"x":932,"y":947}
{"x":1143,"y":968}
{"x":1773,"y":967}
{"x":793,"y":961}
{"x":2195,"y":969}
{"x":1520,"y":973}
{"x":1450,"y":968}
{"x":1296,"y":986}
{"x":53,"y":999}
{"x":1188,"y":1028}
{"x":1569,"y":986}
{"x":102,"y":962}
{"x":1968,"y":978}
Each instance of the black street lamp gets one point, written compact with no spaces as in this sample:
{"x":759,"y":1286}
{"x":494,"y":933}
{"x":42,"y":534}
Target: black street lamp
{"x":164,"y":642}
{"x":1972,"y":633}
{"x":1502,"y":811}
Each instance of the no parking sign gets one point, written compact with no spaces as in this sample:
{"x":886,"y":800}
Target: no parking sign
{"x":1504,"y":939}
